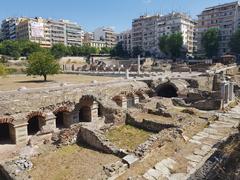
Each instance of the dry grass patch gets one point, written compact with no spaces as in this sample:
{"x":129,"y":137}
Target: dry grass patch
{"x":127,"y":137}
{"x":70,"y":162}
{"x":13,"y":82}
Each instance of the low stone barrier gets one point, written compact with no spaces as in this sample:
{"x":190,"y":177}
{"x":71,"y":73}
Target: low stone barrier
{"x":148,"y":125}
{"x":95,"y":139}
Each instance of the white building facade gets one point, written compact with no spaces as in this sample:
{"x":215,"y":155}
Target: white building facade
{"x":107,"y":35}
{"x":225,"y":18}
{"x":146,"y":31}
{"x":126,"y":39}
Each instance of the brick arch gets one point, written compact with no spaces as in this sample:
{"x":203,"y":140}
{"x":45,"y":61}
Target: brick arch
{"x":118,"y":99}
{"x":130,"y":95}
{"x":8,"y":120}
{"x":36,"y":113}
{"x":62,"y":109}
{"x":140,"y":94}
{"x":87,"y":100}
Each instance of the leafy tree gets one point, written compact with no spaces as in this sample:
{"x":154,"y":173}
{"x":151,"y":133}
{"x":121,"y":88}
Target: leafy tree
{"x":18,"y":48}
{"x":175,"y":44}
{"x":59,"y":51}
{"x":11,"y":48}
{"x":234,"y":43}
{"x":171,"y":45}
{"x":119,"y":51}
{"x":74,"y":50}
{"x":87,"y":50}
{"x":163,"y":44}
{"x":3,"y":70}
{"x":137,"y":50}
{"x":105,"y":50}
{"x":42,"y":63}
{"x":210,"y":42}
{"x":28,"y":47}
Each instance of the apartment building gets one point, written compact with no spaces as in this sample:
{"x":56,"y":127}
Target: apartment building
{"x":58,"y":32}
{"x":34,"y":29}
{"x":88,"y":40}
{"x":224,"y":17}
{"x":146,"y":31}
{"x":96,"y":44}
{"x":178,"y":23}
{"x":46,"y":32}
{"x":74,"y":33}
{"x":126,"y":39}
{"x":66,"y":32}
{"x":8,"y":28}
{"x":88,"y":37}
{"x":107,"y":35}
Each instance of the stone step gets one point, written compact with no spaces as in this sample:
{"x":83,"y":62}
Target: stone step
{"x":213,"y":131}
{"x":152,"y":174}
{"x":177,"y":176}
{"x":230,"y":120}
{"x":169,"y":163}
{"x":197,"y":138}
{"x":210,"y":142}
{"x":163,"y":170}
{"x":206,"y":148}
{"x":202,"y":134}
{"x":200,"y":152}
{"x":195,"y":142}
{"x":216,"y":137}
{"x":194,"y":158}
{"x":220,"y":125}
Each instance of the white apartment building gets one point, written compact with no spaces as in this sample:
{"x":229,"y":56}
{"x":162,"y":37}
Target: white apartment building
{"x":34,"y":29}
{"x":96,"y":44}
{"x":126,"y":39}
{"x":46,"y":32}
{"x":88,"y":40}
{"x":66,"y":32}
{"x":107,"y":35}
{"x":225,"y":17}
{"x":146,"y":31}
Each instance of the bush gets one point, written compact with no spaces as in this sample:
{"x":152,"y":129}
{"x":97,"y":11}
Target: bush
{"x":3,"y":70}
{"x":12,"y":71}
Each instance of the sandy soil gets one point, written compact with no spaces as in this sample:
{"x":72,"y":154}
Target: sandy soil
{"x":71,"y":162}
{"x":13,"y":82}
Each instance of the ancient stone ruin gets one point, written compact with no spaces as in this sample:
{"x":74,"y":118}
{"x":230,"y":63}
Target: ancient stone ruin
{"x":189,"y":112}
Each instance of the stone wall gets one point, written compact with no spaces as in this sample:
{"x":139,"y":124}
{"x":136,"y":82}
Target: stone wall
{"x":32,"y":100}
{"x":148,"y":125}
{"x":95,"y":139}
{"x":18,"y":107}
{"x":222,"y":164}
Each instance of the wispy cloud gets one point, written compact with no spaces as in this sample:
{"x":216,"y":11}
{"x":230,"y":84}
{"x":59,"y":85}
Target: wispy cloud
{"x":147,"y":1}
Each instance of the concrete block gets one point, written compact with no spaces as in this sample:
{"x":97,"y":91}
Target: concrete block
{"x":154,"y":173}
{"x":163,"y":170}
{"x":130,"y":159}
{"x":169,"y":163}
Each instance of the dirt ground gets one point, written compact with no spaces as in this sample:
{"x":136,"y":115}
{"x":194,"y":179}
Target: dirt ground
{"x":13,"y":82}
{"x":70,"y":162}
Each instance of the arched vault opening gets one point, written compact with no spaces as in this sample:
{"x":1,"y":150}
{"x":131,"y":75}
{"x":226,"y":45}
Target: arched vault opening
{"x":35,"y":124}
{"x":167,"y":90}
{"x":5,"y":137}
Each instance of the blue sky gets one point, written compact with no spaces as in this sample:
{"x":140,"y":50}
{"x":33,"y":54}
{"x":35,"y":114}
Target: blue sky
{"x":94,"y":13}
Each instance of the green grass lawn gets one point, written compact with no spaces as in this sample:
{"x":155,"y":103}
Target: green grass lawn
{"x":127,"y":137}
